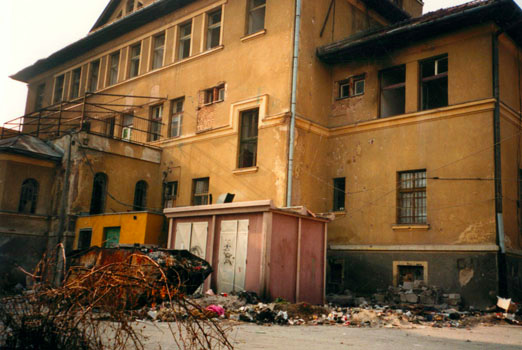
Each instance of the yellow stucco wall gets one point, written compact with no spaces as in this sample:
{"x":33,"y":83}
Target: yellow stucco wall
{"x":135,"y":227}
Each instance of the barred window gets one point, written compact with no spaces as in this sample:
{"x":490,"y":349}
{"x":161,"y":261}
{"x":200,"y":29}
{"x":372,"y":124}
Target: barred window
{"x":28,"y":197}
{"x":411,"y":201}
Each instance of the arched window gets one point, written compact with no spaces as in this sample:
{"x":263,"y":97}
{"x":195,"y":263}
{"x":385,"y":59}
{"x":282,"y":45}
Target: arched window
{"x":99,"y":192}
{"x":28,"y":196}
{"x":140,"y":196}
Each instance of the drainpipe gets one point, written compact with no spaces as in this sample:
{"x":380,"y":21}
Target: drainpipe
{"x":499,"y":220}
{"x":293,"y":103}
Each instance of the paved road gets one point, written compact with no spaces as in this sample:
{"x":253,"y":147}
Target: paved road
{"x":246,"y":336}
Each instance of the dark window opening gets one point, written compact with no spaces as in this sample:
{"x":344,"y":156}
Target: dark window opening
{"x":99,"y":192}
{"x":393,"y":91}
{"x":40,"y":95}
{"x":248,"y":131}
{"x":93,"y":78}
{"x":519,"y":202}
{"x":256,"y":15}
{"x":140,"y":196}
{"x":336,"y":275}
{"x":185,"y":31}
{"x":155,"y":123}
{"x":75,"y":82}
{"x":200,"y":191}
{"x":411,"y":199}
{"x":170,"y":193}
{"x":58,"y":89}
{"x":215,"y":94}
{"x":130,"y":6}
{"x":214,"y":29}
{"x":114,"y":68}
{"x":407,"y":273}
{"x":434,"y":81}
{"x":84,"y":239}
{"x":135,"y":61}
{"x":110,"y":124}
{"x":128,"y":124}
{"x":339,"y":193}
{"x":28,"y":197}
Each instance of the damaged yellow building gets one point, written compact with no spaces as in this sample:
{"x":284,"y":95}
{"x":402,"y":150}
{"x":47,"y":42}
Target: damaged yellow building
{"x":404,"y":128}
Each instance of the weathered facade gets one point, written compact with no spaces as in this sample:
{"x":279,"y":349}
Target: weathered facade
{"x":407,"y":128}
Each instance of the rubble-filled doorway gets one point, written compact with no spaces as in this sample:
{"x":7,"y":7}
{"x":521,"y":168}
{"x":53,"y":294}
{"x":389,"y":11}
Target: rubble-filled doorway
{"x":233,"y":245}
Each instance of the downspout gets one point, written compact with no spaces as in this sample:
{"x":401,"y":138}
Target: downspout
{"x":499,"y":220}
{"x":293,"y":104}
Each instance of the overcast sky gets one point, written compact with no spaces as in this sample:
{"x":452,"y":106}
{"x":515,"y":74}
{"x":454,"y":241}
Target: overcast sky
{"x":35,"y":29}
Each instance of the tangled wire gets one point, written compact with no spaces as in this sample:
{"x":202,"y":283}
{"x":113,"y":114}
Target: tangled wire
{"x":92,"y":310}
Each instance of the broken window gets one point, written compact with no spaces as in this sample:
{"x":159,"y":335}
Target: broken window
{"x":58,"y":89}
{"x":214,"y":29}
{"x":130,"y":6}
{"x":393,"y":91}
{"x":28,"y":197}
{"x":126,"y":131}
{"x":135,"y":55}
{"x":200,"y":191}
{"x":339,"y":193}
{"x":215,"y":94}
{"x":99,"y":192}
{"x":185,"y":31}
{"x":176,"y":117}
{"x":170,"y":193}
{"x":114,"y":63}
{"x":140,"y":196}
{"x":84,"y":239}
{"x":256,"y":16}
{"x":159,"y":49}
{"x":411,"y":199}
{"x":248,"y":131}
{"x":75,"y":83}
{"x":353,"y":86}
{"x":434,"y":81}
{"x":93,"y":75}
{"x":40,"y":95}
{"x":155,"y":122}
{"x":410,"y":273}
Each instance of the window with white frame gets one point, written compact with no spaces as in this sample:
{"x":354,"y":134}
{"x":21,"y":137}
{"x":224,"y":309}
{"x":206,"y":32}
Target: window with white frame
{"x":159,"y":49}
{"x":434,"y":82}
{"x":200,"y":191}
{"x":127,"y":125}
{"x":176,"y":117}
{"x":134,"y":62}
{"x":114,"y":64}
{"x":256,"y":16}
{"x":185,"y":33}
{"x":214,"y":94}
{"x":353,"y":86}
{"x":214,"y":29}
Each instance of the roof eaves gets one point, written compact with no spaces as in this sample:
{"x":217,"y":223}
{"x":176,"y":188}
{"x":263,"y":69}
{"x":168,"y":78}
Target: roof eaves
{"x":99,"y":37}
{"x":407,"y":32}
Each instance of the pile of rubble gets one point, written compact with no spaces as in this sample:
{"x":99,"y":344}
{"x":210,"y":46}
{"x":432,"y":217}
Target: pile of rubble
{"x":399,"y":307}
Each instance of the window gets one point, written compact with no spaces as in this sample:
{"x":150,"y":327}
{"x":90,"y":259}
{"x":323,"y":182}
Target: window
{"x":126,"y":131}
{"x":215,"y":94}
{"x":176,"y":117}
{"x":40,"y":95}
{"x":111,"y":237}
{"x":184,"y":40}
{"x":411,"y":201}
{"x":200,"y":191}
{"x":393,"y":91}
{"x":114,"y":63}
{"x":58,"y":89}
{"x":135,"y":55}
{"x":84,"y":239}
{"x":214,"y":29}
{"x":93,"y":75}
{"x":159,"y":48}
{"x":434,"y":83}
{"x":110,"y":124}
{"x":248,"y":138}
{"x":256,"y":16}
{"x":99,"y":192}
{"x":140,"y":196}
{"x":28,"y":197}
{"x":75,"y":82}
{"x":353,"y":86}
{"x":339,"y":193}
{"x":155,"y":122}
{"x":170,"y":193}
